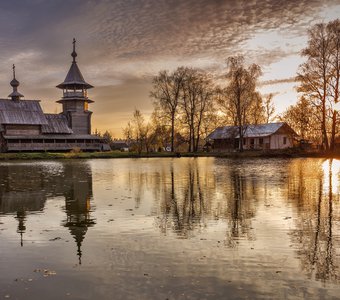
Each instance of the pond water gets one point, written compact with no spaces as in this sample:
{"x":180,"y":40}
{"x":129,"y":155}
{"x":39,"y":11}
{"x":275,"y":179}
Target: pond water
{"x":170,"y":228}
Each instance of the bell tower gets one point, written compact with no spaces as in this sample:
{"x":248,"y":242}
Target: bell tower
{"x":75,"y":101}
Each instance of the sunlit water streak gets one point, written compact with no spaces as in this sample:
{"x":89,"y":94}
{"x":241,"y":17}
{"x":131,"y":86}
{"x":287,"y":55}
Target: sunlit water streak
{"x":181,"y":228}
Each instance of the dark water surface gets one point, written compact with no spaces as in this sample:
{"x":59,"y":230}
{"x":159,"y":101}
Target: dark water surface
{"x":184,"y":228}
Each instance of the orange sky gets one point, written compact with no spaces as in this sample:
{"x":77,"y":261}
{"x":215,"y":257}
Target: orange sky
{"x":123,"y":43}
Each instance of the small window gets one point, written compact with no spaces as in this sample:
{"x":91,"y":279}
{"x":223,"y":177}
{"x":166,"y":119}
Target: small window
{"x":252,"y":141}
{"x":13,"y":141}
{"x":284,"y":140}
{"x":260,"y":141}
{"x":26,"y":141}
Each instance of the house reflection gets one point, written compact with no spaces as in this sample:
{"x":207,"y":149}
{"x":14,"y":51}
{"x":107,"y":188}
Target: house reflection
{"x":317,"y":230}
{"x":24,"y":192}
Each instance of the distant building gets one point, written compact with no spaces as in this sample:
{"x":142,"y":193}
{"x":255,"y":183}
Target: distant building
{"x":25,"y":127}
{"x":119,"y":145}
{"x":263,"y":136}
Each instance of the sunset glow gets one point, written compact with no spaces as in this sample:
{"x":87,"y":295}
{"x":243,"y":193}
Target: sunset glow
{"x":123,"y":44}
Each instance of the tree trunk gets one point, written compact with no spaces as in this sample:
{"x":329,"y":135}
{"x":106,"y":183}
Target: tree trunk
{"x":172,"y":131}
{"x":190,"y":139}
{"x":332,"y":146}
{"x":323,"y":125}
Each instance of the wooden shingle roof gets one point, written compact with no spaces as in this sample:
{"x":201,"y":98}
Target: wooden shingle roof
{"x":57,"y":123}
{"x":74,"y":78}
{"x":21,"y":112}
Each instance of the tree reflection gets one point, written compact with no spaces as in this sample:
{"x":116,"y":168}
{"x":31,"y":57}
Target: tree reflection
{"x":240,"y":208}
{"x":314,"y":234}
{"x":183,"y":207}
{"x":193,"y":195}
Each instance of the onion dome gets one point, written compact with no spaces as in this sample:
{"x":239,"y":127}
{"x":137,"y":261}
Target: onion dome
{"x":15,"y":95}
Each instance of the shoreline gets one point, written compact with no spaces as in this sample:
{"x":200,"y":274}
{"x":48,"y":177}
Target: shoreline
{"x":117,"y":154}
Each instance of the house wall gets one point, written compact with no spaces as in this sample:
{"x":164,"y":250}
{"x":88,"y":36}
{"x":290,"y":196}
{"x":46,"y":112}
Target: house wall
{"x":22,"y":129}
{"x":255,"y":143}
{"x":277,"y":141}
{"x":224,"y":144}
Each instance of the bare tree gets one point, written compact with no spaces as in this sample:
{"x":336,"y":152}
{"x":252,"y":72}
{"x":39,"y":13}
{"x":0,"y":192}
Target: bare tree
{"x":167,"y":92}
{"x":198,"y":93}
{"x":189,"y":102}
{"x":160,"y":132}
{"x":138,"y":129}
{"x":314,"y":74}
{"x":241,"y":91}
{"x":269,"y":108}
{"x":204,"y":103}
{"x":128,"y":133}
{"x":319,"y":76}
{"x":255,"y":114}
{"x":334,"y":35}
{"x":303,"y":119}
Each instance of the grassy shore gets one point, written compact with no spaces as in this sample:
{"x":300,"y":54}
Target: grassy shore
{"x":117,"y":154}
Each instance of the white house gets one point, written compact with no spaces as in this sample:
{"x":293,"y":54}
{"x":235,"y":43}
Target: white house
{"x":262,"y":136}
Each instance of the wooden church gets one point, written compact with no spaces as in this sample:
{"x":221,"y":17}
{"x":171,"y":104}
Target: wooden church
{"x":25,"y":127}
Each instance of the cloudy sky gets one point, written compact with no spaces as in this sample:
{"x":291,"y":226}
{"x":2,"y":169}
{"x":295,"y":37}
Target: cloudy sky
{"x":121,"y":44}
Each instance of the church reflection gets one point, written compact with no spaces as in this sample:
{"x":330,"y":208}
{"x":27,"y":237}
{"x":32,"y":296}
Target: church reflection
{"x":21,"y":194}
{"x":78,"y":196}
{"x":24,"y":193}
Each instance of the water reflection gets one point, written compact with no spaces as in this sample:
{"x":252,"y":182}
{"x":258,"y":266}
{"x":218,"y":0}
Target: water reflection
{"x":78,"y":195}
{"x":317,"y":224}
{"x":21,"y":194}
{"x":183,"y":210}
{"x":263,"y":215}
{"x":25,"y":188}
{"x":193,"y":195}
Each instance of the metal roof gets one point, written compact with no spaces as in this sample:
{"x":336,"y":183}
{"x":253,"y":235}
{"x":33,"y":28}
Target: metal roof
{"x":57,"y":123}
{"x":74,"y":79}
{"x":21,"y":112}
{"x":261,"y":130}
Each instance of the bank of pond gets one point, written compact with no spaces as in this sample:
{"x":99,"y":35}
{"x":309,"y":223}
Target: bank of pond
{"x":120,"y":154}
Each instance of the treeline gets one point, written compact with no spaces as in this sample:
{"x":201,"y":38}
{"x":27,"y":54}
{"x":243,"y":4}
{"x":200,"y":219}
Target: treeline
{"x":189,"y":105}
{"x":315,"y":116}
